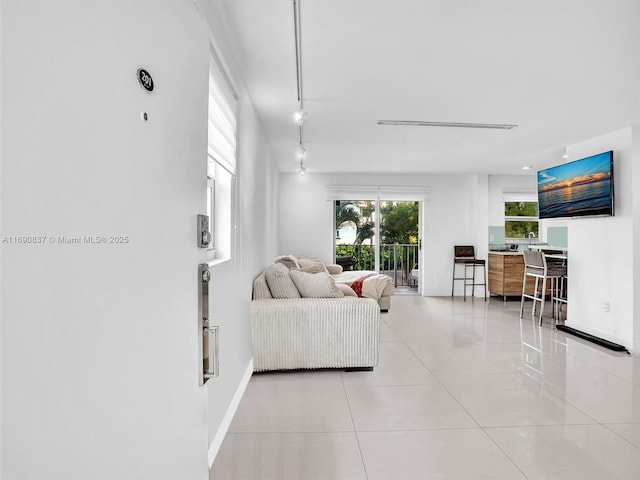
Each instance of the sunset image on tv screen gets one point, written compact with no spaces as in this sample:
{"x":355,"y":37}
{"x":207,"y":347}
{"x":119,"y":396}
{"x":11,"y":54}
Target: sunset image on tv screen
{"x":580,"y":188}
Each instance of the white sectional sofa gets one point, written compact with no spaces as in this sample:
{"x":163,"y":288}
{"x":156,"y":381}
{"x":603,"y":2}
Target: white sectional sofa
{"x":303,"y":320}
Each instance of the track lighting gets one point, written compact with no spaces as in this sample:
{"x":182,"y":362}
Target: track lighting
{"x":300,"y":116}
{"x":417,"y":123}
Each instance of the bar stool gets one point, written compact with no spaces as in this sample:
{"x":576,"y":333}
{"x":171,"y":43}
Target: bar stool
{"x":466,"y":255}
{"x":560,"y":298}
{"x":536,"y":267}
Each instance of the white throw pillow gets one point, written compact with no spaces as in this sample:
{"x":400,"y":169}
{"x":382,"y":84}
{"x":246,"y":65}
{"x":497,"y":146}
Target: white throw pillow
{"x":311,"y":269}
{"x":261,"y":288}
{"x":291,"y":261}
{"x":315,"y":285}
{"x":334,"y":269}
{"x":307,"y":262}
{"x":346,"y":290}
{"x":280,"y":282}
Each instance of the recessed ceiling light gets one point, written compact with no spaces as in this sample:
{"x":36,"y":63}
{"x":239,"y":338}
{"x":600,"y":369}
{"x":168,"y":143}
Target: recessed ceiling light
{"x":564,"y":156}
{"x":527,"y":167}
{"x":418,"y":123}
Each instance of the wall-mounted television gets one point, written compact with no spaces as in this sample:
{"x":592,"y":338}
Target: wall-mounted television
{"x":583,"y":188}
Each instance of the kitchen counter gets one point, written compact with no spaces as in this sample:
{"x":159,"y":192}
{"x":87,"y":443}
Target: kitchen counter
{"x":506,"y":272}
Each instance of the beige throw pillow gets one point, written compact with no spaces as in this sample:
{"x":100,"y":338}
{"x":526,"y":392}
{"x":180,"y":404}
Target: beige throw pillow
{"x":346,"y":290}
{"x":311,"y":269}
{"x":316,"y":263}
{"x":290,"y":261}
{"x":334,"y":269}
{"x":280,"y":283}
{"x":261,"y":288}
{"x":315,"y":285}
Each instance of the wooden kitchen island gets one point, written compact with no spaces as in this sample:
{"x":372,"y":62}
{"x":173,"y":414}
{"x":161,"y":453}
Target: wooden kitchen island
{"x":506,"y":272}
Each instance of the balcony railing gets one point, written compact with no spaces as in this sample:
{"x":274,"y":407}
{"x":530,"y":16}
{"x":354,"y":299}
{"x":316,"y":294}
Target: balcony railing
{"x":396,"y":260}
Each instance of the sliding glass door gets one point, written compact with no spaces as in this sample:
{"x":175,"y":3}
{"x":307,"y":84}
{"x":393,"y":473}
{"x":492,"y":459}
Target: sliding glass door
{"x":379,"y":235}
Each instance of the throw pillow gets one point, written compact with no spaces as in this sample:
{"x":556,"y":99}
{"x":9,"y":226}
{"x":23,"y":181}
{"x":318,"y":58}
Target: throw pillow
{"x":311,"y":269}
{"x":261,"y":288}
{"x":346,"y":290}
{"x":307,"y":262}
{"x":280,"y":283}
{"x":334,"y":269}
{"x":290,"y":261}
{"x":315,"y":285}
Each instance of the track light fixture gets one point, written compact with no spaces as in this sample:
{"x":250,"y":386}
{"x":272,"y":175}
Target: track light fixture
{"x":300,"y":114}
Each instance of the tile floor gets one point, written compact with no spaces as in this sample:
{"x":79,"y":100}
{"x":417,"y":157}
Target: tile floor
{"x":463,"y":390}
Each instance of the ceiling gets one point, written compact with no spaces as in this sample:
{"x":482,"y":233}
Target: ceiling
{"x":562,"y":70}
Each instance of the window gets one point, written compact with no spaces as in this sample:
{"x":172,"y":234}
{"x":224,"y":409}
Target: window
{"x":520,"y":219}
{"x":221,"y":160}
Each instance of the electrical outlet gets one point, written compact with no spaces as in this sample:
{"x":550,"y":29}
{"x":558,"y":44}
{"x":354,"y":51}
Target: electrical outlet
{"x":605,"y":305}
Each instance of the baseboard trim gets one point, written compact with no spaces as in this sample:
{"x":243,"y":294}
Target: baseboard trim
{"x":592,"y":338}
{"x":215,"y":444}
{"x":602,"y":334}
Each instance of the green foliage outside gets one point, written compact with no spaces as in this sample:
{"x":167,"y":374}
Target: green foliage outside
{"x":521,"y":209}
{"x":359,"y":214}
{"x":520,"y":228}
{"x":399,"y":223}
{"x":363,"y":255}
{"x":346,"y":213}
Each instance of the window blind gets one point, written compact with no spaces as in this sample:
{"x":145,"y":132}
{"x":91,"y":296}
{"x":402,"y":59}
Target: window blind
{"x":222,"y":119}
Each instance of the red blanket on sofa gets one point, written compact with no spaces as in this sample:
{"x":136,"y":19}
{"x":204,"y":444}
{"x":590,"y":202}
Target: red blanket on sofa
{"x":357,"y":284}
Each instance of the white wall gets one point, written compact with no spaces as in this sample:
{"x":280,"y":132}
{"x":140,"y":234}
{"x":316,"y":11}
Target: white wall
{"x":456,"y":214}
{"x":602,"y":250}
{"x":99,"y":342}
{"x":254,"y":242}
{"x":635,"y":175}
{"x":498,"y":184}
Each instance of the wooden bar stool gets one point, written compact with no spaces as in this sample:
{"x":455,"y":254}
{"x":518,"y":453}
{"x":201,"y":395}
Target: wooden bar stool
{"x":465,"y":255}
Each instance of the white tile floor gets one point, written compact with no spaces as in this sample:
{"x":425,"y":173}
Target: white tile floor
{"x":464,"y":390}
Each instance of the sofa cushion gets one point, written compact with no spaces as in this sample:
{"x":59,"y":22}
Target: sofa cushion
{"x":280,"y":283}
{"x":315,"y":285}
{"x":334,"y":269}
{"x":346,"y":290}
{"x":261,"y":288}
{"x":313,"y":263}
{"x":290,"y":261}
{"x":311,"y":269}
